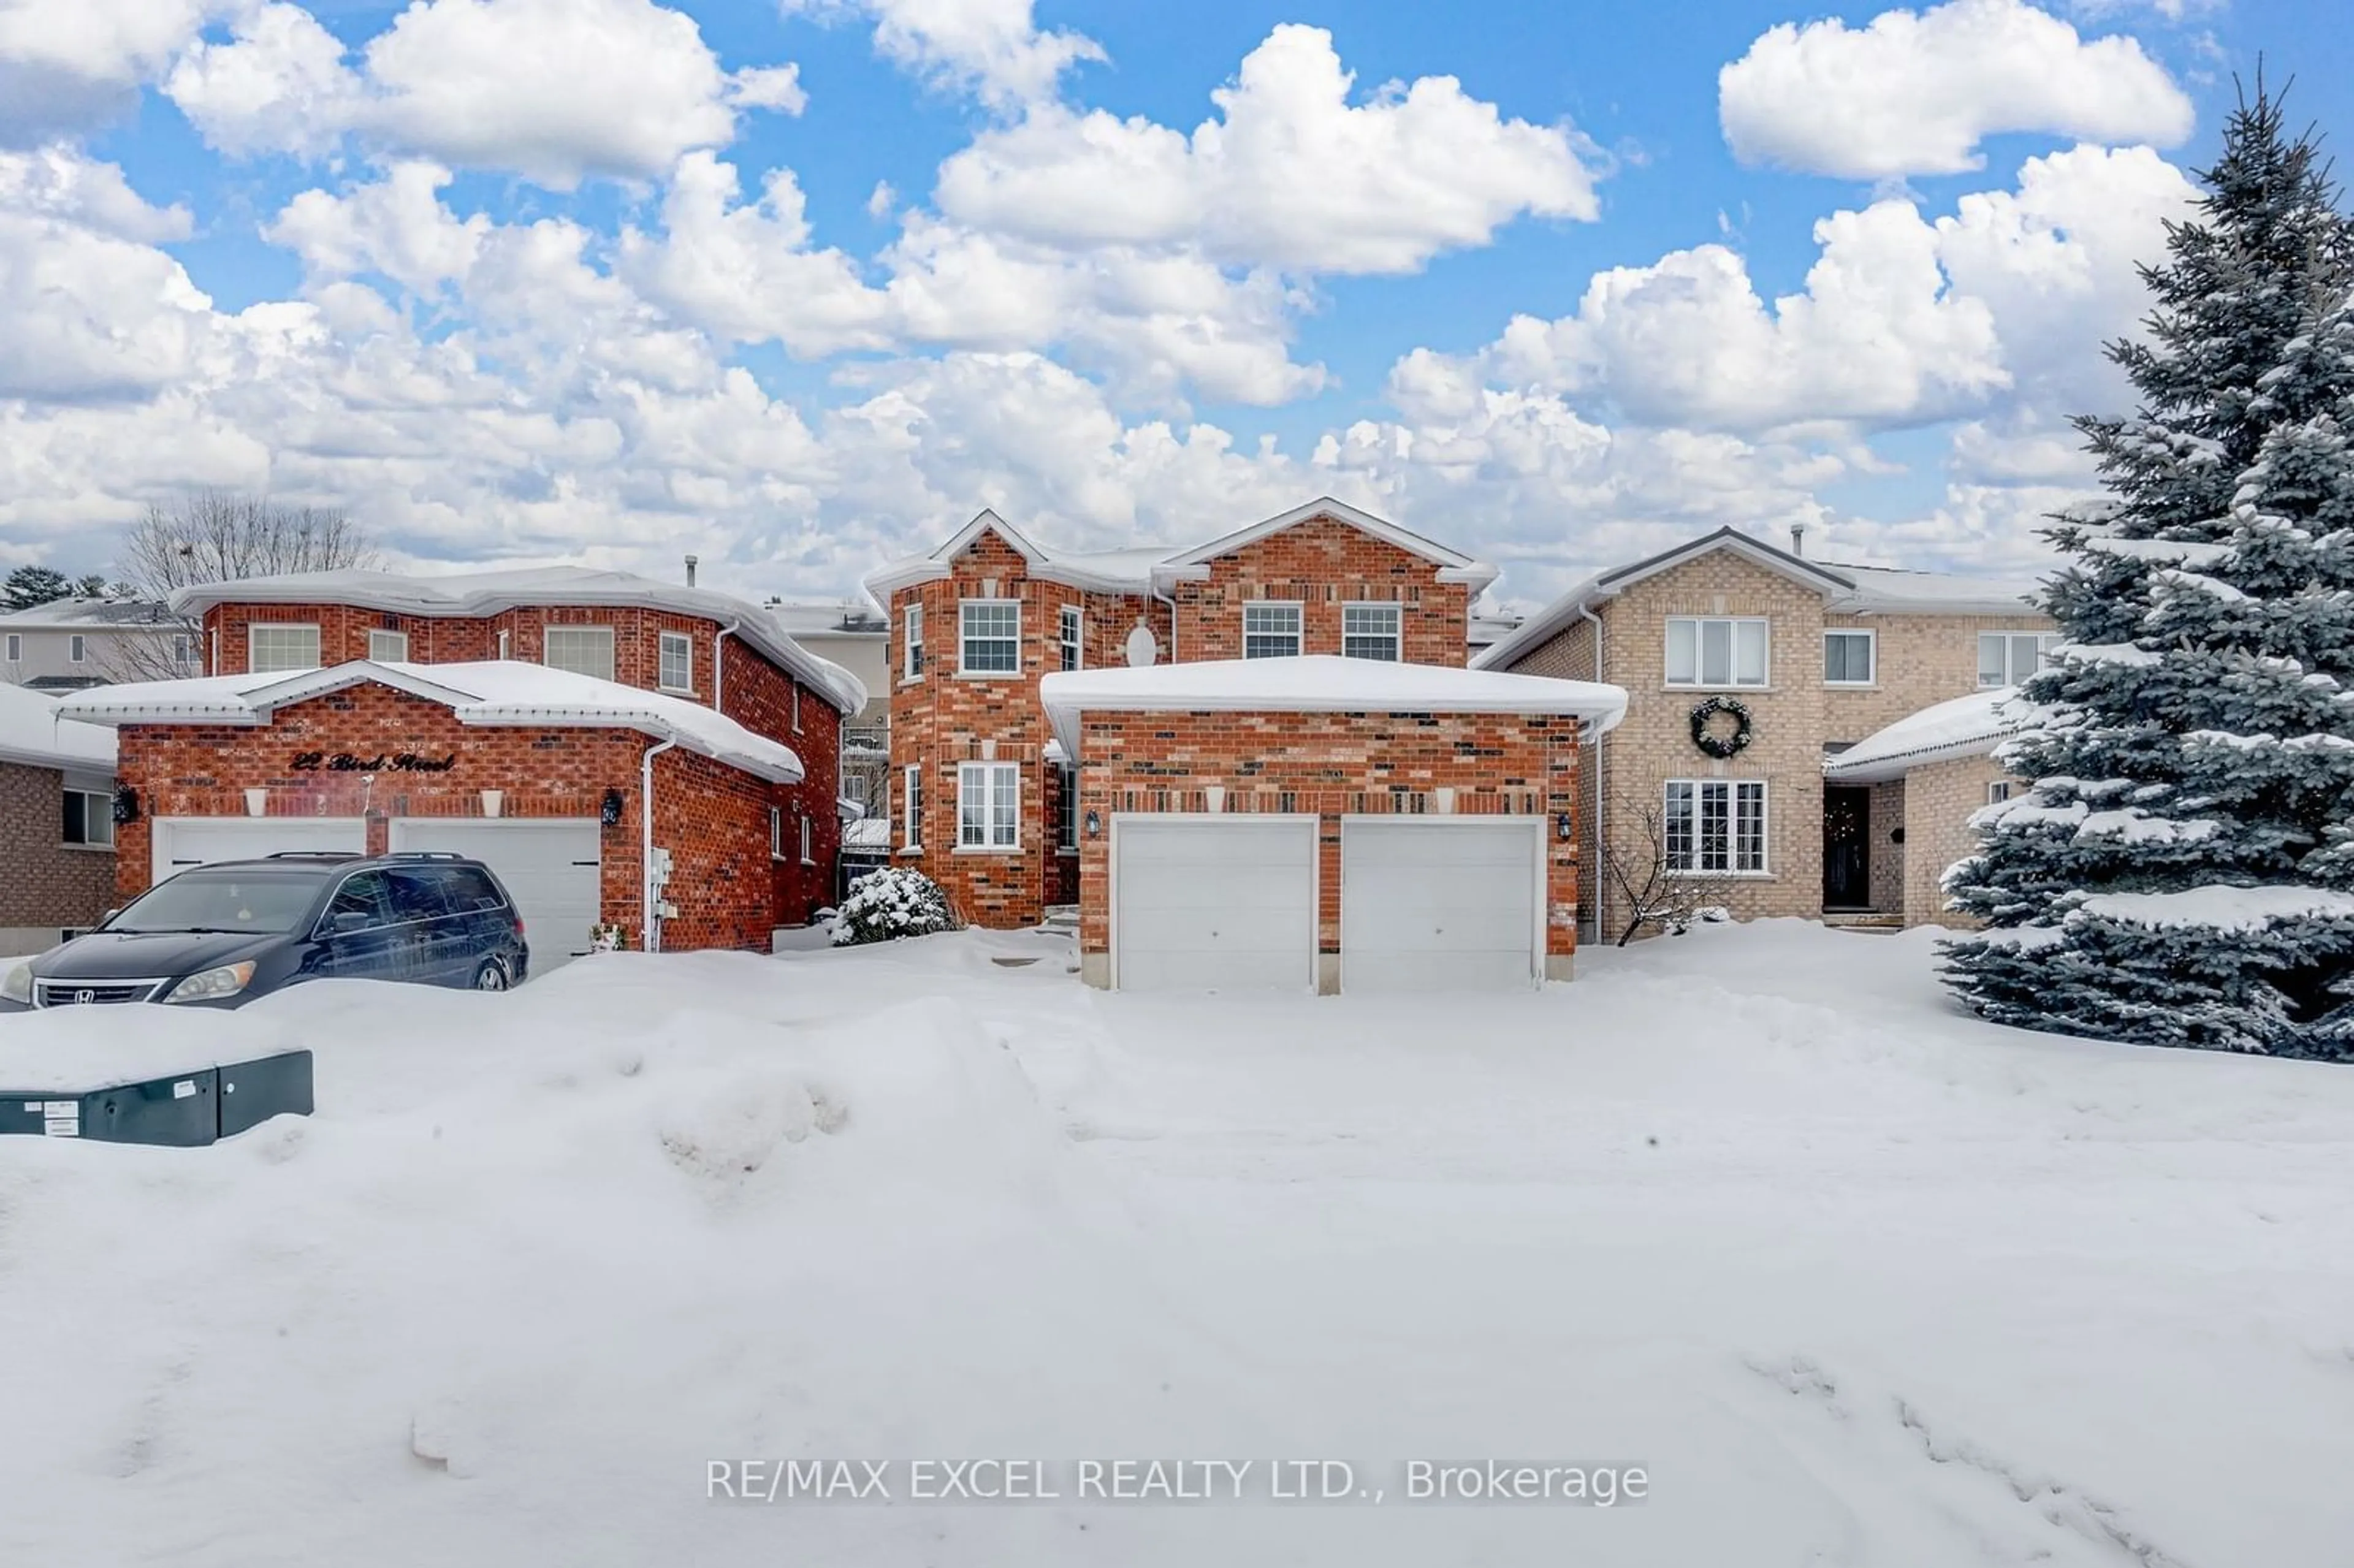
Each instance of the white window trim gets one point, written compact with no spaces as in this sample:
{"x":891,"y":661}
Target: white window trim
{"x":664,"y":643}
{"x":612,"y":645}
{"x":965,"y":641}
{"x":1765,"y":681}
{"x":1397,"y":624}
{"x":1070,"y":798}
{"x":1298,"y":637}
{"x":776,"y":832}
{"x":1071,"y":636}
{"x":1765,"y":873}
{"x":911,"y":644}
{"x":1870,"y":636}
{"x":2044,"y":642}
{"x":76,"y":649}
{"x":992,"y":773}
{"x":1994,"y":785}
{"x":253,"y":630}
{"x":16,"y":648}
{"x":91,"y":801}
{"x":911,"y":807}
{"x":809,"y":840}
{"x":507,"y":644}
{"x":374,"y":657}
{"x":797,"y":707}
{"x":183,"y":647}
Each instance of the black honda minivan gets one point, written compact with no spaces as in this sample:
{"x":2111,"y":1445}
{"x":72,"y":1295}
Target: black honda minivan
{"x":220,"y":934}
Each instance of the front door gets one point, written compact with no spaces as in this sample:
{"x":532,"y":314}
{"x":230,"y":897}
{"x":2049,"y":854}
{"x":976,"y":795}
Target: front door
{"x":1847,"y":847}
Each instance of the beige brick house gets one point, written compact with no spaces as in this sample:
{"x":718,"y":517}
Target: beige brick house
{"x":1257,"y":762}
{"x":1804,"y":660}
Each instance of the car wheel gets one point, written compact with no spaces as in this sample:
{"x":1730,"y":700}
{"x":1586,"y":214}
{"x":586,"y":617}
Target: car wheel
{"x":492,"y":976}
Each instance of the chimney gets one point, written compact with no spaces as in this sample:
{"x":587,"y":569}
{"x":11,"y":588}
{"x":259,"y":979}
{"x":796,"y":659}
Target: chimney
{"x":690,"y":571}
{"x":1797,"y":547}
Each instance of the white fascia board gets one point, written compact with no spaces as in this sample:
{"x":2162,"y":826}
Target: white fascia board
{"x":309,"y":683}
{"x":1880,"y":769}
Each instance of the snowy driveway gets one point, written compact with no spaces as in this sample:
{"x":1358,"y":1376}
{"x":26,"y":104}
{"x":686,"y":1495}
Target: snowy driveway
{"x":1852,"y":1279}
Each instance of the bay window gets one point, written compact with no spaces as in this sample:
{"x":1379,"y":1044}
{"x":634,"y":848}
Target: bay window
{"x":988,"y":805}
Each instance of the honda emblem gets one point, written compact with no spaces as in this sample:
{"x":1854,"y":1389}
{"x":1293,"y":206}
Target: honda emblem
{"x":85,"y":996}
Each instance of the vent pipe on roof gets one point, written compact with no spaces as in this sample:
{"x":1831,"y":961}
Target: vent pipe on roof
{"x":1797,"y":547}
{"x":690,"y":571}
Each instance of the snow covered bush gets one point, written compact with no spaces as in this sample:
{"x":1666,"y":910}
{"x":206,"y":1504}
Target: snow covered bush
{"x":2182,"y":871}
{"x":892,"y":903}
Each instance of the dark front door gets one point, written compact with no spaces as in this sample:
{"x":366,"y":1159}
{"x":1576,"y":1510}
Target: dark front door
{"x":1847,"y":852}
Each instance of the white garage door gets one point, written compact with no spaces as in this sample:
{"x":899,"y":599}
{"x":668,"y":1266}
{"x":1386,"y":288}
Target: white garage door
{"x":548,"y":864}
{"x":1441,"y":904}
{"x":1214,"y":903}
{"x":183,"y":842}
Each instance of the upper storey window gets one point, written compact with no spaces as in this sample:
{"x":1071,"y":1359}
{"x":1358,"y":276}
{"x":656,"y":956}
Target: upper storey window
{"x":583,"y":649}
{"x":990,"y":636}
{"x":1371,"y":632}
{"x":270,"y":648}
{"x":1716,"y":651}
{"x":1270,"y":630}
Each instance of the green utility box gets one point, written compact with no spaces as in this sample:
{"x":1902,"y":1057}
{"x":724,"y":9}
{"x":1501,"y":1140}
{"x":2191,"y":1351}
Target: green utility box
{"x":182,"y":1110}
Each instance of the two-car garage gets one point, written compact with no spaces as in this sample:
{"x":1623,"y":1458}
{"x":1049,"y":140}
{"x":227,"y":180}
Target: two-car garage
{"x":550,"y":865}
{"x":1231,"y":902}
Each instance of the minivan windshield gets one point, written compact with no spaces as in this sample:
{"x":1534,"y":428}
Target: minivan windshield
{"x":243,"y":899}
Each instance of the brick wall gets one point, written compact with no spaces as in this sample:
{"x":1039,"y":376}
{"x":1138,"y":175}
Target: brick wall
{"x":1323,"y":565}
{"x":713,"y":819}
{"x":1883,"y":851}
{"x":1330,"y":764}
{"x":1938,"y":800}
{"x":1920,"y":660}
{"x":46,"y":880}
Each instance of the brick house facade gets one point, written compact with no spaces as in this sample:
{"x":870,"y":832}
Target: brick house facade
{"x":748,"y":851}
{"x":1852,"y":848}
{"x":1313,"y":563}
{"x":57,"y":827}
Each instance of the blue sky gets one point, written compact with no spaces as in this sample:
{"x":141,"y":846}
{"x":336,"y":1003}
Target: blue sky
{"x":472,"y":268}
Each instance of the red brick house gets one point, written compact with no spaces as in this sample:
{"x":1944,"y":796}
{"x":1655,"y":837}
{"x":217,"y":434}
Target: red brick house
{"x":1206,"y":750}
{"x":57,"y":822}
{"x":522,"y":717}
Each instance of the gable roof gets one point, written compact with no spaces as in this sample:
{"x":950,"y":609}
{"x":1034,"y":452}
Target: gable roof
{"x":36,"y":731}
{"x":1848,"y":590}
{"x":470,"y":594}
{"x":1153,"y":568}
{"x":493,"y":694}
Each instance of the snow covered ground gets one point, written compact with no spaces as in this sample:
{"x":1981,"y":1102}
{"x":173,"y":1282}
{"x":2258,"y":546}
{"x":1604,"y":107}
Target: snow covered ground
{"x":1854,"y":1279}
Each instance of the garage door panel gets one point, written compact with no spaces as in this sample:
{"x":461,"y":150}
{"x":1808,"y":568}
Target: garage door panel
{"x":550,"y":868}
{"x":1440,"y":905}
{"x":184,"y":841}
{"x":1220,"y":904}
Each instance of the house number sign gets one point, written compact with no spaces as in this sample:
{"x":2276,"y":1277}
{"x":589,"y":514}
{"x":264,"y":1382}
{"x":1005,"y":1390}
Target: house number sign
{"x":382,"y":762}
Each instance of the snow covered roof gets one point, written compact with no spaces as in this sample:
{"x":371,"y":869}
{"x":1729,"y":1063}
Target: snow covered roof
{"x":497,"y":694}
{"x":1318,"y":682}
{"x":1846,"y":590}
{"x":36,"y":732}
{"x":1964,"y":727}
{"x":81,"y":614}
{"x":1147,"y":568}
{"x":869,"y":834}
{"x":487,"y":593}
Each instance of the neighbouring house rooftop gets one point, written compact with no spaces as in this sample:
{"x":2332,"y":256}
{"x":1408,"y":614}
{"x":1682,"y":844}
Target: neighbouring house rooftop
{"x":1964,"y":726}
{"x":470,"y":594}
{"x":499,"y":694}
{"x":1318,"y":682}
{"x":36,"y":732}
{"x":84,"y":614}
{"x":1846,"y":589}
{"x":1155,"y":568}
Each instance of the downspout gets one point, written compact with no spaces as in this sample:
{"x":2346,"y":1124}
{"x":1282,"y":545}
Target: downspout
{"x":716,"y":667}
{"x":648,"y":937}
{"x":1171,"y":601}
{"x":1601,"y":843}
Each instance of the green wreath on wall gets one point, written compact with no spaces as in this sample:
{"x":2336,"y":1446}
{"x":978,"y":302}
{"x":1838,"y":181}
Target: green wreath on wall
{"x":1706,"y":737}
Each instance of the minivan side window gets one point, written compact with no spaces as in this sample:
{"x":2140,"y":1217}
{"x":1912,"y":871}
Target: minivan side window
{"x":364,"y":893}
{"x":417,"y":896}
{"x":468,"y":889}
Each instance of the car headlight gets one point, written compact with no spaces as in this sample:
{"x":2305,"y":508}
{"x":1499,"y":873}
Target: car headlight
{"x":211,"y":985}
{"x":18,"y":985}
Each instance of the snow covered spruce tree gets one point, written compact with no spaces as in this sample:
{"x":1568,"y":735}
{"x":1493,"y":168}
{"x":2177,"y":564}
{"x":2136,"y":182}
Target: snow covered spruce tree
{"x":2182,"y":871}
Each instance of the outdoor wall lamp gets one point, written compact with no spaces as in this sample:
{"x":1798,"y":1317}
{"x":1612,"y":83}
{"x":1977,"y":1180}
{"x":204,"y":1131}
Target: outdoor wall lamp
{"x":126,"y":804}
{"x":609,"y":813}
{"x":1095,"y":824}
{"x":1561,"y":827}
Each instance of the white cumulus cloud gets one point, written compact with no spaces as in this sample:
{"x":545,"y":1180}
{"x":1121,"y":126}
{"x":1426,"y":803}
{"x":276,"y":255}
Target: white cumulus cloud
{"x":990,"y":49}
{"x":68,"y":66}
{"x":1916,"y":92}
